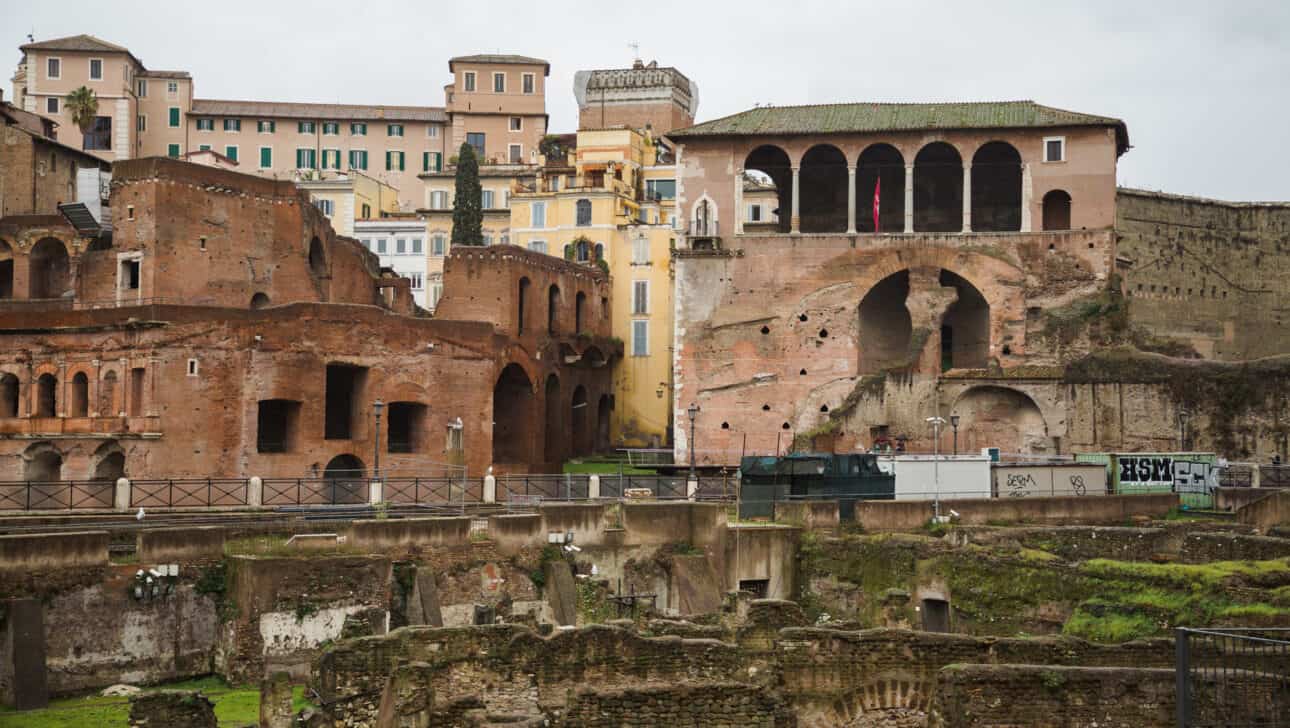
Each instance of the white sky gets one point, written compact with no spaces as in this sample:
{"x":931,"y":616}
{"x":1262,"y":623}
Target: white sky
{"x":1203,"y":86}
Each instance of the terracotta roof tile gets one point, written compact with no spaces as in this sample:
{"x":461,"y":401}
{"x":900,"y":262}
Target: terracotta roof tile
{"x":318,"y":112}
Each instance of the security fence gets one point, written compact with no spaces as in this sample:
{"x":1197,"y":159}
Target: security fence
{"x":188,"y":493}
{"x":1233,"y":677}
{"x":31,"y":495}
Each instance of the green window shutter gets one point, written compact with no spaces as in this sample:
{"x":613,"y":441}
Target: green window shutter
{"x":402,"y":157}
{"x":388,"y":166}
{"x":438,"y":161}
{"x":231,"y":153}
{"x":266,"y":157}
{"x":174,"y":116}
{"x":425,"y":161}
{"x":300,"y":159}
{"x":173,"y":150}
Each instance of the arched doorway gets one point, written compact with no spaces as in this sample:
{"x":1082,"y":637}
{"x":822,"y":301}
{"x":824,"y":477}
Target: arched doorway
{"x":259,"y":301}
{"x":602,"y":424}
{"x":109,"y":462}
{"x":513,"y":416}
{"x":823,"y":183}
{"x":80,"y":395}
{"x":107,"y":396}
{"x":551,"y":434}
{"x":6,"y":270}
{"x":1057,"y":210}
{"x":965,"y":327}
{"x":46,"y":395}
{"x":996,"y":188}
{"x":938,"y":189}
{"x":771,"y":163}
{"x":344,"y":467}
{"x":317,"y":258}
{"x":345,"y":480}
{"x":552,"y":309}
{"x":49,"y":268}
{"x":1001,"y":417}
{"x":881,"y":171}
{"x":42,"y":463}
{"x":885,"y":325}
{"x":8,"y":395}
{"x":578,"y":420}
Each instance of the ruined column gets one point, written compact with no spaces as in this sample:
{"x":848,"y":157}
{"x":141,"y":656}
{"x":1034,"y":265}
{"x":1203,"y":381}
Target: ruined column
{"x":275,"y":701}
{"x":909,"y":198}
{"x":1025,"y":197}
{"x":851,"y":200}
{"x":739,"y":201}
{"x":967,"y":197}
{"x":797,"y":197}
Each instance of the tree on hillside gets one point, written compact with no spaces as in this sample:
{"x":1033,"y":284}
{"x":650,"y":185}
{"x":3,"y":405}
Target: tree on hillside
{"x":84,"y":107}
{"x":467,"y":207}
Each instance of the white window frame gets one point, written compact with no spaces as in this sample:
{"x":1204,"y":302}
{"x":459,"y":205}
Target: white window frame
{"x":751,"y":217}
{"x":416,"y":281}
{"x":440,"y":241}
{"x":1059,"y":139}
{"x":644,"y":340}
{"x":519,"y":156}
{"x":122,"y":291}
{"x":441,"y":195}
{"x":640,"y":251}
{"x":54,"y":99}
{"x":358,"y":128}
{"x":335,"y":128}
{"x":416,"y":245}
{"x":365,"y":158}
{"x":512,"y":126}
{"x":533,"y":215}
{"x":497,"y":75}
{"x":260,"y":159}
{"x":436,"y":293}
{"x":533,"y":246}
{"x":637,"y":308}
{"x":530,"y":81}
{"x":89,"y":69}
{"x":487,"y":198}
{"x":469,"y":81}
{"x":235,"y":129}
{"x":141,"y":88}
{"x":141,"y":122}
{"x":200,"y":121}
{"x":193,"y":368}
{"x":432,"y":131}
{"x":265,"y":126}
{"x":60,"y":67}
{"x":172,"y":89}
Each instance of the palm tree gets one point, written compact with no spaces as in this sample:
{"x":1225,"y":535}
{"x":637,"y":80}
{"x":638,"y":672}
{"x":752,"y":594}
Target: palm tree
{"x":84,"y":107}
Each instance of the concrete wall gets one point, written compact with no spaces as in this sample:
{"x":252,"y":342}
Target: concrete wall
{"x":166,"y":545}
{"x":913,"y":515}
{"x":1266,"y":513}
{"x":45,"y":551}
{"x":1028,"y":481}
{"x":377,"y":536}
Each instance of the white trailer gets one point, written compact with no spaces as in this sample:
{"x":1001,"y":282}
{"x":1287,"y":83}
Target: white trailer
{"x":928,"y":477}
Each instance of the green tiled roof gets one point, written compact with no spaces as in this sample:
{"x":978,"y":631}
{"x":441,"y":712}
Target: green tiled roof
{"x":880,"y":117}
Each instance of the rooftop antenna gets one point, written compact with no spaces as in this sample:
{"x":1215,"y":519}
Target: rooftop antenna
{"x":31,"y":37}
{"x":636,"y":50}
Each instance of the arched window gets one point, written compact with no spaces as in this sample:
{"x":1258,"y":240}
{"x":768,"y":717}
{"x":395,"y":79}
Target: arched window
{"x":513,"y":416}
{"x":8,"y":395}
{"x":80,"y":395}
{"x":996,"y":188}
{"x":49,"y":267}
{"x":46,"y":395}
{"x":1057,"y":210}
{"x":552,"y":309}
{"x":823,"y":183}
{"x":584,"y":212}
{"x":938,"y":189}
{"x":881,"y":174}
{"x":767,"y":169}
{"x":317,"y":259}
{"x":582,"y":250}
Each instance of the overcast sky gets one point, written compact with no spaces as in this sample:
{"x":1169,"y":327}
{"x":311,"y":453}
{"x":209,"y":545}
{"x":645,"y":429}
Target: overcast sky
{"x":1203,"y":86}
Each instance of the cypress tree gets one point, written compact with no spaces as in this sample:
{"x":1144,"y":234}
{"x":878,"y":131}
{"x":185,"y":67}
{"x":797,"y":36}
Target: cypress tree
{"x":467,"y":208}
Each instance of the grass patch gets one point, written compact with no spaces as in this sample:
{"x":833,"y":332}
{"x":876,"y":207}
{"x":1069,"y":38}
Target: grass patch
{"x":1195,"y":576}
{"x":586,"y":467}
{"x":1110,"y":626}
{"x":235,"y":706}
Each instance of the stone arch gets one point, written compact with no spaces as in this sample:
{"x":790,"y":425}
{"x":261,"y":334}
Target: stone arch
{"x":594,"y":357}
{"x":552,"y":430}
{"x":938,"y":189}
{"x":260,"y":300}
{"x":46,"y":395}
{"x":345,"y":477}
{"x":1002,"y":417}
{"x":107,"y":395}
{"x":49,"y":269}
{"x":886,"y":699}
{"x":1057,"y":210}
{"x":886,"y":328}
{"x":344,"y":467}
{"x":880,"y":167}
{"x":10,"y":393}
{"x":109,"y":462}
{"x":774,"y":162}
{"x":317,"y":258}
{"x":602,"y":423}
{"x":996,"y":188}
{"x":553,"y":309}
{"x":965,"y":327}
{"x":80,"y":399}
{"x":6,"y":270}
{"x":521,"y":304}
{"x":578,"y":422}
{"x":42,"y":462}
{"x":513,"y":416}
{"x":822,"y":179}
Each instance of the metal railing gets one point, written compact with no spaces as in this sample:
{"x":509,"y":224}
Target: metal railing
{"x":1233,"y":677}
{"x":188,"y":493}
{"x":577,"y":486}
{"x":32,"y":495}
{"x":314,"y":491}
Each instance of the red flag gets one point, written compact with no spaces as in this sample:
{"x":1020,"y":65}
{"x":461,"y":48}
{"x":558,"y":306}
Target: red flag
{"x":877,"y":187}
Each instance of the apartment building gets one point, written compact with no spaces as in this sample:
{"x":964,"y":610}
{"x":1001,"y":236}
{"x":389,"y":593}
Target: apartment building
{"x":400,"y":242}
{"x":495,"y":102}
{"x":347,"y":198}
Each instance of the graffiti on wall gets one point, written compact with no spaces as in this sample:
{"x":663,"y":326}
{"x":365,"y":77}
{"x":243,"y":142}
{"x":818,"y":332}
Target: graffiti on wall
{"x":1161,"y":471}
{"x":1024,"y":485}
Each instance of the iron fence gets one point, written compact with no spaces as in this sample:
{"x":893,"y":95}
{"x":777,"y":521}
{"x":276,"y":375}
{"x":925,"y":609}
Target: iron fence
{"x":315,"y":491}
{"x":33,"y":495}
{"x":1236,"y":475}
{"x":1233,"y":677}
{"x":1274,"y":476}
{"x":188,"y":493}
{"x":427,"y":491}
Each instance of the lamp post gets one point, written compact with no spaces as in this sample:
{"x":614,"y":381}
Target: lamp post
{"x":1182,"y":429}
{"x":954,"y":423}
{"x":936,"y":421}
{"x":693,"y":412}
{"x":377,"y":406}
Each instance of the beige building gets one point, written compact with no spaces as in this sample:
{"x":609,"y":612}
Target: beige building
{"x":496,"y":102}
{"x":347,"y":198}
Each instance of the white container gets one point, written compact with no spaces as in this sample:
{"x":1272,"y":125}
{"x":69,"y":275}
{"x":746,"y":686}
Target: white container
{"x":927,"y":477}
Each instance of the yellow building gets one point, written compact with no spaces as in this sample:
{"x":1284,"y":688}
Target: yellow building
{"x":348,"y":196}
{"x":611,"y":199}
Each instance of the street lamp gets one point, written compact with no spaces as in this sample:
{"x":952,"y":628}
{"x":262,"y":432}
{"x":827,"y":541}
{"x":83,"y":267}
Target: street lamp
{"x":693,"y":412}
{"x":377,"y":406}
{"x":1182,"y":429}
{"x":936,"y":421}
{"x":954,"y":422}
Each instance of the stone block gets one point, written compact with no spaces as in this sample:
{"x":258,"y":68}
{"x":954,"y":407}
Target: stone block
{"x":189,"y":709}
{"x":24,"y":655}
